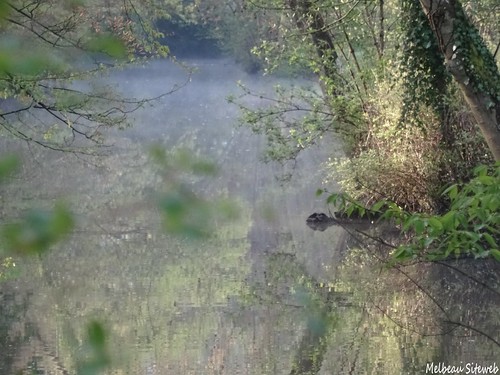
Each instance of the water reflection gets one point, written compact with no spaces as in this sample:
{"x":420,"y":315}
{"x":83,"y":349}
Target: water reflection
{"x":263,"y":295}
{"x":421,"y":313}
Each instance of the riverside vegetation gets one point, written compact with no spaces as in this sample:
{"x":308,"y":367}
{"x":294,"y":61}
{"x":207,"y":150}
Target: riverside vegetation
{"x":391,"y":90}
{"x":412,"y":90}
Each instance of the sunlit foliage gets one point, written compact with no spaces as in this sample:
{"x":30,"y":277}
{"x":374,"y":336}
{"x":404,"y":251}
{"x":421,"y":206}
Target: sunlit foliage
{"x":386,"y":94}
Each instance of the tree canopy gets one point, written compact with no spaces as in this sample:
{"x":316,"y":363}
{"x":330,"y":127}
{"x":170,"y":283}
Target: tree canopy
{"x":392,"y":88}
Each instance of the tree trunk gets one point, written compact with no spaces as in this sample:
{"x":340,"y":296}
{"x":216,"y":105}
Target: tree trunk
{"x":310,"y":21}
{"x":471,"y":65}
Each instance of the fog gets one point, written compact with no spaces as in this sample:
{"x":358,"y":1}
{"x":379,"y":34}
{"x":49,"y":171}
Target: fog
{"x":251,"y":298}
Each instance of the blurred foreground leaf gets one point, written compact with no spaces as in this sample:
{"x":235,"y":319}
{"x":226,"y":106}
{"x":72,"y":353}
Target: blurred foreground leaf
{"x":182,"y":161}
{"x":37,"y":230}
{"x":95,"y":358}
{"x":185,"y":211}
{"x":19,"y":58}
{"x":8,"y":165}
{"x":108,"y":44}
{"x":4,"y":10}
{"x":188,"y":215}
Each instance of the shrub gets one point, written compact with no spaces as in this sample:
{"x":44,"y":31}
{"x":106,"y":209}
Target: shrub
{"x":409,"y":163}
{"x":391,"y":160}
{"x":469,"y":228}
{"x":462,"y":143}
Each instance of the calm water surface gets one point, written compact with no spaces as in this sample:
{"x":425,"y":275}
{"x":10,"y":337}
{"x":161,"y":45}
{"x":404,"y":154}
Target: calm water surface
{"x":263,"y":295}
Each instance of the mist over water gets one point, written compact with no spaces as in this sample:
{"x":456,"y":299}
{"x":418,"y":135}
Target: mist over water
{"x":200,"y":102}
{"x":252,"y":298}
{"x":198,"y":107}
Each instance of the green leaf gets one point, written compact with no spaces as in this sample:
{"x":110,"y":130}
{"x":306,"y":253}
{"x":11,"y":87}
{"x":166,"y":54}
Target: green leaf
{"x":332,"y":199}
{"x":174,"y":205}
{"x":409,"y":222}
{"x":403,"y":253}
{"x":428,"y":241}
{"x":4,"y":10}
{"x":96,"y":334}
{"x":470,"y":227}
{"x":460,"y":219}
{"x":494,"y":203}
{"x":474,"y":237}
{"x":361,"y":211}
{"x":489,"y":238}
{"x":62,"y":221}
{"x":95,"y":359}
{"x":435,"y":224}
{"x":378,"y":205}
{"x":448,"y":221}
{"x":185,"y":214}
{"x":419,"y":226}
{"x":393,"y":206}
{"x":107,"y":44}
{"x":495,"y":253}
{"x":319,"y":192}
{"x":452,"y":191}
{"x":8,"y":165}
{"x":38,"y":230}
{"x":480,"y":170}
{"x":486,"y":180}
{"x":350,"y":210}
{"x":17,"y":59}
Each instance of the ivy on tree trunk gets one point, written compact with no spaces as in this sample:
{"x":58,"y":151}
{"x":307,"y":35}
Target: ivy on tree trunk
{"x":471,"y":64}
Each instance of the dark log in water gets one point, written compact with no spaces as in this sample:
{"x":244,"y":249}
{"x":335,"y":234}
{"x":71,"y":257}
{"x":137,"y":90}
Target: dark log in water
{"x":320,"y":221}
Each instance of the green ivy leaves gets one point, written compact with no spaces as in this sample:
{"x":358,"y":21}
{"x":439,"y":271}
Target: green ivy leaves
{"x":422,"y":64}
{"x":8,"y":164}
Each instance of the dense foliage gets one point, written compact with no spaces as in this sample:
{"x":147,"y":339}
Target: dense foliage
{"x":469,"y":228}
{"x":385,"y":91}
{"x":425,"y":78}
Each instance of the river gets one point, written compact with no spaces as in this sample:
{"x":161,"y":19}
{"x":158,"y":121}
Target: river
{"x":263,"y":294}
